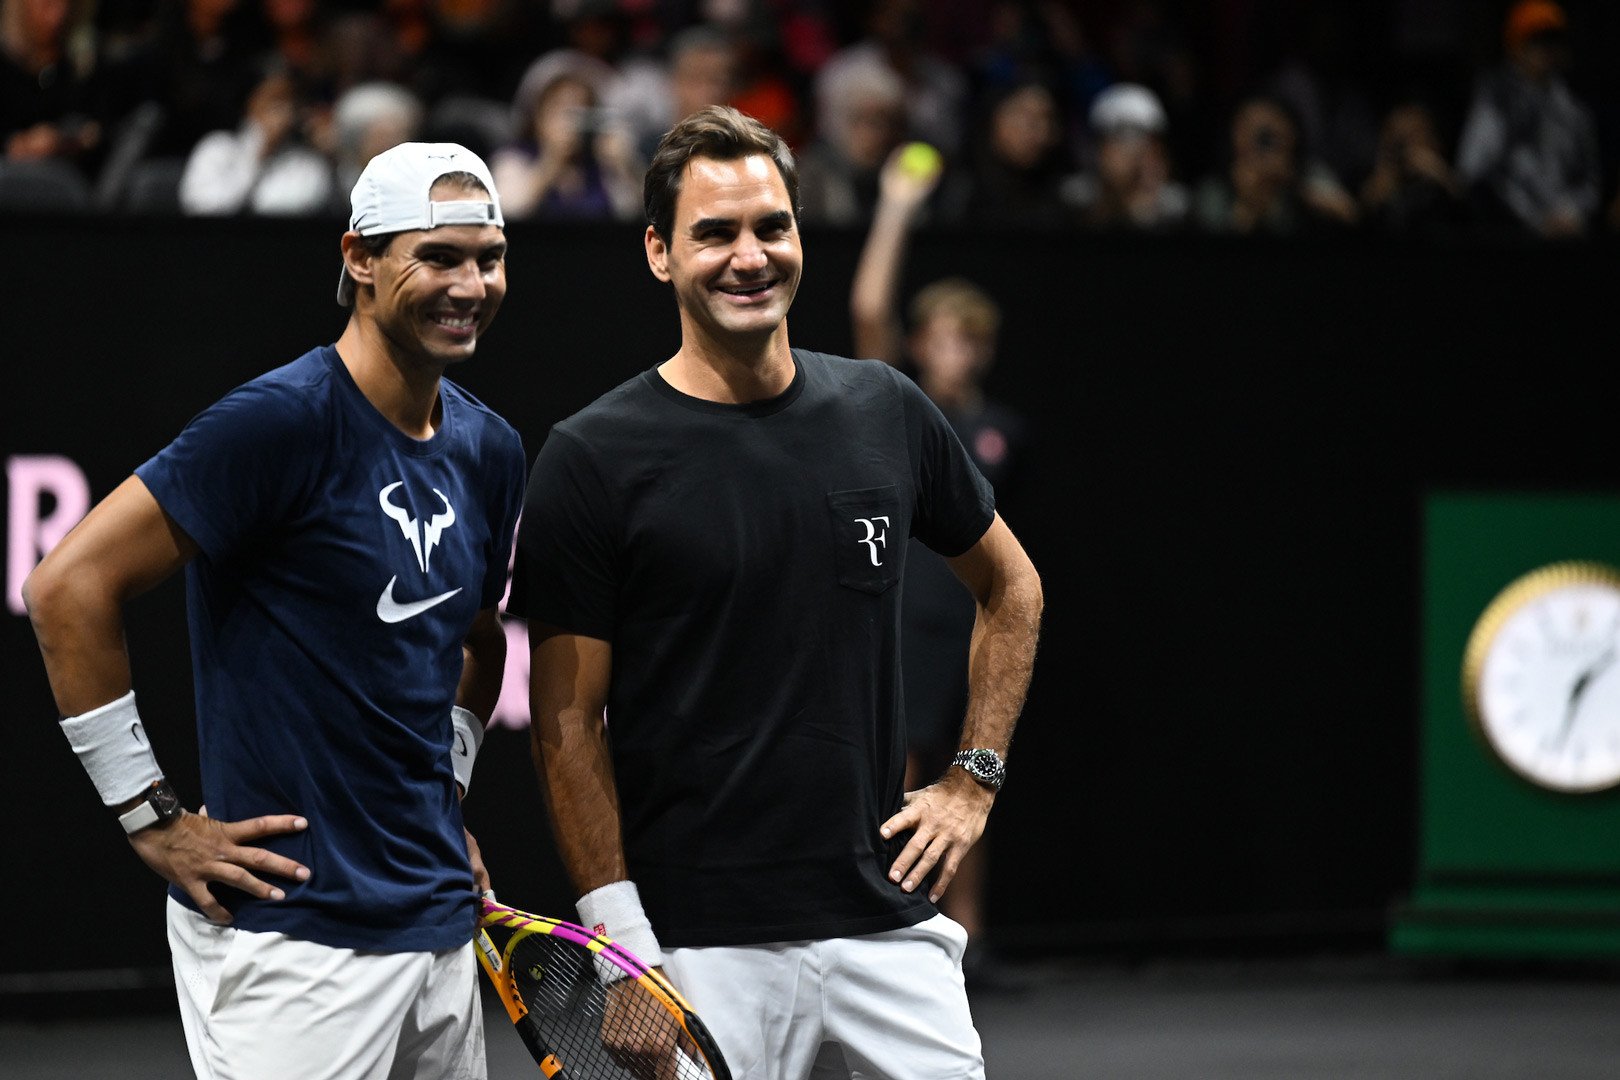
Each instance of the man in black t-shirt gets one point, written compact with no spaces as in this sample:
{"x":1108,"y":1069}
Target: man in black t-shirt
{"x":711,"y":554}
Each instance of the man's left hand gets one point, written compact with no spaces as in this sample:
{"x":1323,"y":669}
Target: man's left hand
{"x":947,"y":818}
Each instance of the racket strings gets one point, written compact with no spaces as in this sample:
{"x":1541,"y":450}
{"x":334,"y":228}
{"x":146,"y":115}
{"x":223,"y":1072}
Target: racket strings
{"x":596,"y":1029}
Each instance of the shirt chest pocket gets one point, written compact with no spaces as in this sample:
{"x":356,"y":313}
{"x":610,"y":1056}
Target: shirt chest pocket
{"x":869,"y":537}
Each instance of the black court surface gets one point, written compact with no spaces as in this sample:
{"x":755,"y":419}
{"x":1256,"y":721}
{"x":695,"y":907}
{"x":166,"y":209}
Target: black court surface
{"x":1331,"y":1019}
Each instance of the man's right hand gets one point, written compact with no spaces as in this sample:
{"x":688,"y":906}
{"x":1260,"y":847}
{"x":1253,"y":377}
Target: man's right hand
{"x":194,"y":850}
{"x":641,"y":1036}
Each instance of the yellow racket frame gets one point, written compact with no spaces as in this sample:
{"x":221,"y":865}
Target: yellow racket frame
{"x":497,"y":964}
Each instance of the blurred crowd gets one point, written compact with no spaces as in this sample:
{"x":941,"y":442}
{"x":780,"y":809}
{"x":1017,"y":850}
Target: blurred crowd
{"x":1241,"y":116}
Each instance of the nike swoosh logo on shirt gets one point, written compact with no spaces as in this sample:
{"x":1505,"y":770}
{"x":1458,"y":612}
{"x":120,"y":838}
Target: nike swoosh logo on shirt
{"x":390,"y":610}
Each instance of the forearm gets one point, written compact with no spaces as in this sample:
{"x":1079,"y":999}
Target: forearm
{"x":1001,"y":658}
{"x":80,"y":630}
{"x":873,"y":308}
{"x":483,"y":666}
{"x":576,"y":780}
{"x":568,"y":687}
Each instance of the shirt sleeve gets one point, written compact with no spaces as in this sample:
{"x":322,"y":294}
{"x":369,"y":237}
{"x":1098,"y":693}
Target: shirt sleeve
{"x":509,"y":498}
{"x":955,"y":503}
{"x":238,"y":470}
{"x":566,"y":571}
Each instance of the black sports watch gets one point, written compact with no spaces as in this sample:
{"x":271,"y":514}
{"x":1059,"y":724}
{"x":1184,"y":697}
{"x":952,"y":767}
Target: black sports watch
{"x":985,"y":766}
{"x":160,"y":803}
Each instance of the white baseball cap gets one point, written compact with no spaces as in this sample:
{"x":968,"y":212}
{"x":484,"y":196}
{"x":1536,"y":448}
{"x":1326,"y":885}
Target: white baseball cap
{"x":1127,"y":107}
{"x":393,"y":195}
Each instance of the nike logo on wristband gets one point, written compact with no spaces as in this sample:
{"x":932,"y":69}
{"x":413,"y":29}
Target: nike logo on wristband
{"x":390,"y":610}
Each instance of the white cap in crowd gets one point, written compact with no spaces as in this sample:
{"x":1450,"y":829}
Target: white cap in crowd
{"x":393,"y":195}
{"x":1127,"y":107}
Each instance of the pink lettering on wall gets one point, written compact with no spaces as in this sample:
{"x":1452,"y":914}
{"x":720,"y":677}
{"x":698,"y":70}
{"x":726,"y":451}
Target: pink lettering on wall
{"x":512,"y":710}
{"x":32,"y":528}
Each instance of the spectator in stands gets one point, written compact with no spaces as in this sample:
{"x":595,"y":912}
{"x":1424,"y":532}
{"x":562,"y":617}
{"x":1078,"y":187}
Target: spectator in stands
{"x":266,"y":165}
{"x":1131,"y":186}
{"x":1149,"y":43}
{"x":862,"y":120}
{"x":368,"y":119}
{"x":652,"y":97}
{"x":1018,"y":166}
{"x":572,"y":159}
{"x":1411,"y":187}
{"x":1024,"y":41}
{"x":1270,"y":186}
{"x":200,"y":68}
{"x":49,"y":91}
{"x":935,"y":91}
{"x":760,"y":87}
{"x":1528,"y":151}
{"x":367,"y":47}
{"x":299,"y":40}
{"x":949,"y":351}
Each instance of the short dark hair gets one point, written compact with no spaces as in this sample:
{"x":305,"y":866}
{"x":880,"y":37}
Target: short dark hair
{"x":718,"y":132}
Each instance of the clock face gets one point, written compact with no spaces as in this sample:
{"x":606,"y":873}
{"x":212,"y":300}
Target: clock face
{"x":1542,"y":677}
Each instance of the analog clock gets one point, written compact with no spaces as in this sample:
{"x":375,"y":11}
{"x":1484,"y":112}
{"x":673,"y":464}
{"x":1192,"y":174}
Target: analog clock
{"x":1541,"y":676}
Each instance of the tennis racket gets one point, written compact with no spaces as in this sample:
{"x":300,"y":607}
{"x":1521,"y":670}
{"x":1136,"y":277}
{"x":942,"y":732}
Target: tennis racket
{"x":586,"y":1008}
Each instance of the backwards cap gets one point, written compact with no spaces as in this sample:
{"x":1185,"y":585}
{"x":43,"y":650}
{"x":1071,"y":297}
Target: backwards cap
{"x":393,"y":195}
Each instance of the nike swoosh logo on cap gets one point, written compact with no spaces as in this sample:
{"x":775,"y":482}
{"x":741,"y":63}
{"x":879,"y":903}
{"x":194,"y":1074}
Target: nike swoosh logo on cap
{"x":390,"y":610}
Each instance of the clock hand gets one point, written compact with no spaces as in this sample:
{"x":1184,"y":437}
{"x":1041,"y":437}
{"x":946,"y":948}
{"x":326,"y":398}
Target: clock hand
{"x":1578,"y":691}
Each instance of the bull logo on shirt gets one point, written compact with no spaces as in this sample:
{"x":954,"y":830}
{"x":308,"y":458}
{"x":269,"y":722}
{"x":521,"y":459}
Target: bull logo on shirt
{"x":423,"y":538}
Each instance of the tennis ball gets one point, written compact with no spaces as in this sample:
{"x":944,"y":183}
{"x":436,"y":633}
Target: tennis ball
{"x":919,"y":159}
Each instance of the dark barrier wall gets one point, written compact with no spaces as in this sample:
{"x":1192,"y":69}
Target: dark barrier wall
{"x":1233,"y":444}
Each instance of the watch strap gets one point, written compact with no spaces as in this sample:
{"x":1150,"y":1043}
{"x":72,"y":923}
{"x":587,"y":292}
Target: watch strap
{"x":158,"y":803}
{"x":139,"y":818}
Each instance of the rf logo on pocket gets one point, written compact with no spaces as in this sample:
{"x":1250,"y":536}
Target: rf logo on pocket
{"x":873,"y":538}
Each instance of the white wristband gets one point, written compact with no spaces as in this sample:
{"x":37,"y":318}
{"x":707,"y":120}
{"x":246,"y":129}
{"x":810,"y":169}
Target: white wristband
{"x":112,"y":747}
{"x":614,"y":911}
{"x":468,"y":733}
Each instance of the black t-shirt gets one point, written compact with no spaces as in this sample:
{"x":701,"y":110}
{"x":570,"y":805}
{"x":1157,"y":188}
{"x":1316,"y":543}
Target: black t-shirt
{"x":743,"y":562}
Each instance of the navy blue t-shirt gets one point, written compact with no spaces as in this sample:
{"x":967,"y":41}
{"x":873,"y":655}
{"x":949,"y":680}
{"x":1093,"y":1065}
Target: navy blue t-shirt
{"x":342,"y":564}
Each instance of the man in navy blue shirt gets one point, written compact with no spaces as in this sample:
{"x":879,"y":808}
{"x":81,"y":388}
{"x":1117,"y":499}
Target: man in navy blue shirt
{"x":345,"y":524}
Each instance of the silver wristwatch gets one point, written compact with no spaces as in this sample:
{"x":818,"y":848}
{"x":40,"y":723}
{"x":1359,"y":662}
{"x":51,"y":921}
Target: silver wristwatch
{"x":985,"y":766}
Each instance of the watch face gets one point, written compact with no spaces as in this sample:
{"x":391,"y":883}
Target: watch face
{"x":983,"y":765}
{"x":1541,"y":678}
{"x":165,"y":801}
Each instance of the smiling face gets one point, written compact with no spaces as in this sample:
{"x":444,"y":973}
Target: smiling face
{"x":733,"y":254}
{"x":435,"y":291}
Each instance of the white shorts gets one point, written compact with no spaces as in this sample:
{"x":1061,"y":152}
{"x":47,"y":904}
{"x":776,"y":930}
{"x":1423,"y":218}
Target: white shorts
{"x":258,"y":1006}
{"x":886,"y":1006}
